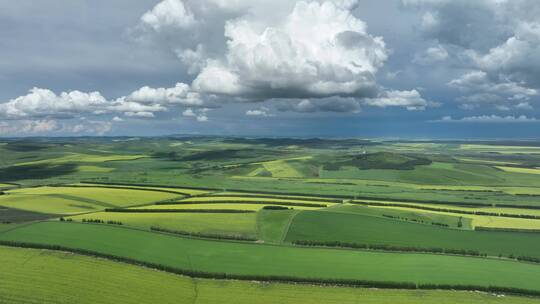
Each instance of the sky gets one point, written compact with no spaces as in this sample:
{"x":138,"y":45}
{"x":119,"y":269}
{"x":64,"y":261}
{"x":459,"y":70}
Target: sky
{"x":426,"y":69}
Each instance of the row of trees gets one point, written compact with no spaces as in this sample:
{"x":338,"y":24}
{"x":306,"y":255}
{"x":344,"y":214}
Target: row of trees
{"x":277,"y":278}
{"x":389,"y":247}
{"x":205,"y":235}
{"x":126,"y":210}
{"x":276,"y":208}
{"x":414,"y":220}
{"x":94,"y":221}
{"x":479,"y":228}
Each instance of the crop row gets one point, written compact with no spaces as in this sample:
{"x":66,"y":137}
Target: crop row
{"x":279,"y":279}
{"x":243,"y":202}
{"x":300,"y":198}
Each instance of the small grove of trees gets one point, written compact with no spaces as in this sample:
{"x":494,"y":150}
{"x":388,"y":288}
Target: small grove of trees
{"x":278,"y":278}
{"x":205,"y":235}
{"x":93,"y":221}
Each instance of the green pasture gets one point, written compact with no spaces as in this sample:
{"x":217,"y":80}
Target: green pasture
{"x":272,"y":225}
{"x":407,"y":215}
{"x":355,"y":228}
{"x":256,"y":259}
{"x":40,"y":276}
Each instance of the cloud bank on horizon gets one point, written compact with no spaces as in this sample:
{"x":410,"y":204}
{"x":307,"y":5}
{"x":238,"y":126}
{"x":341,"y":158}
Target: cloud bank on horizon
{"x":266,"y":59}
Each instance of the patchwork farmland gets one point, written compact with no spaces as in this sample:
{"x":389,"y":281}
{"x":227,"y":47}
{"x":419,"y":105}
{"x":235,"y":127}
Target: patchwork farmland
{"x":213,"y":219}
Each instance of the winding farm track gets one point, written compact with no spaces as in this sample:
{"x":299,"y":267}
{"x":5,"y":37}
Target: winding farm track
{"x":286,"y":230}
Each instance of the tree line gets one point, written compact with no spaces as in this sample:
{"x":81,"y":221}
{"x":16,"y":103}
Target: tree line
{"x":96,"y":221}
{"x":126,"y":210}
{"x":340,"y":244}
{"x":415,"y":220}
{"x":276,"y":208}
{"x":278,"y":278}
{"x":479,"y":228}
{"x":205,"y":235}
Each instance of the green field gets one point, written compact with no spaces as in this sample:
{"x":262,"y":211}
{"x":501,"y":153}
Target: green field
{"x":252,"y":259}
{"x":39,"y":276}
{"x":356,"y":228}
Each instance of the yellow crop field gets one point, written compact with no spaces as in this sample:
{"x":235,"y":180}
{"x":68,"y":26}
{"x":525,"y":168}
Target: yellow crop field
{"x":69,"y":200}
{"x":96,"y":169}
{"x":519,"y":170}
{"x":252,"y":199}
{"x":215,"y":223}
{"x":233,"y":206}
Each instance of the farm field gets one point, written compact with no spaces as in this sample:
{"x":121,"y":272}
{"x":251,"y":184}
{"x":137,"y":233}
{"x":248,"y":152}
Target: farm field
{"x":214,"y":223}
{"x":70,"y":200}
{"x":38,"y":276}
{"x":254,"y":259}
{"x":323,"y":210}
{"x":357,"y":228}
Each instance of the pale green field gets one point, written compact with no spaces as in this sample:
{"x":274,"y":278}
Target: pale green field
{"x":519,"y":170}
{"x":181,"y":190}
{"x":280,"y":196}
{"x":214,"y":223}
{"x":113,"y":196}
{"x":46,"y":204}
{"x":521,"y":190}
{"x":501,"y":149}
{"x":71,"y":200}
{"x":83,"y":158}
{"x":484,"y":161}
{"x":40,"y":276}
{"x":251,"y":199}
{"x":280,"y":168}
{"x":95,"y":169}
{"x":253,"y":207}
